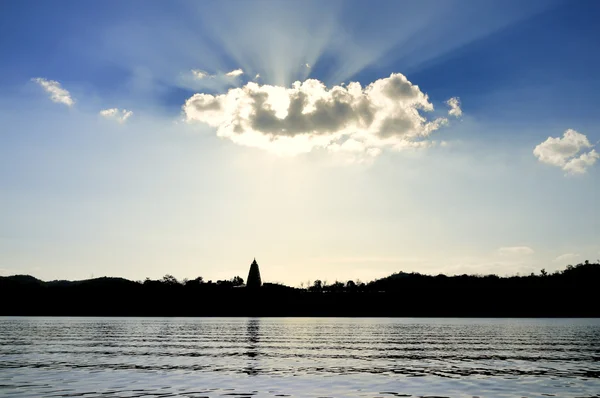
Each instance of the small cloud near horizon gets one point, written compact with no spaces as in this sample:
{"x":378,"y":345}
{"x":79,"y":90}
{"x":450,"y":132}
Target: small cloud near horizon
{"x":515,"y":251}
{"x":565,"y":257}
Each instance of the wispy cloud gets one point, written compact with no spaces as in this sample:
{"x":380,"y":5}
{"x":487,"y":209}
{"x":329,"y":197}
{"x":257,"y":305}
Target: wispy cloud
{"x":374,"y":259}
{"x":6,"y":271}
{"x":116,"y":114}
{"x":567,"y":152}
{"x":566,"y":257}
{"x":515,"y":251}
{"x":57,"y":93}
{"x":350,"y":118}
{"x":201,"y":79}
{"x":235,"y":73}
{"x":200,"y":74}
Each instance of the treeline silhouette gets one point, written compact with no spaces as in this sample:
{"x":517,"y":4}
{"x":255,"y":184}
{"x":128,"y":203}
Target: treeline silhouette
{"x":571,"y":292}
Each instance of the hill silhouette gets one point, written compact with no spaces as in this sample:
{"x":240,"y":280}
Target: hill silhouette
{"x":567,"y":293}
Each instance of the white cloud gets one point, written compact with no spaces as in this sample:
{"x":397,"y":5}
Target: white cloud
{"x":215,"y":81}
{"x":566,"y":152}
{"x":57,"y":93}
{"x":119,"y":115}
{"x":383,"y":115}
{"x":515,"y":251}
{"x":565,"y":257}
{"x":454,"y":104}
{"x":200,"y":74}
{"x":580,"y":164}
{"x":235,"y":73}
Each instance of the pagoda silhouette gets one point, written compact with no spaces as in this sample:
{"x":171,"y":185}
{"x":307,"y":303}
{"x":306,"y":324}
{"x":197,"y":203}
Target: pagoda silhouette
{"x":254,"y":280}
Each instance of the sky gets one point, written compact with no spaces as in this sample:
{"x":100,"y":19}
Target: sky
{"x":330,"y":140}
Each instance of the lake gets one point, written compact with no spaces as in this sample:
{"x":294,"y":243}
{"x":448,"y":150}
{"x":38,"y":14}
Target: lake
{"x":299,"y":357}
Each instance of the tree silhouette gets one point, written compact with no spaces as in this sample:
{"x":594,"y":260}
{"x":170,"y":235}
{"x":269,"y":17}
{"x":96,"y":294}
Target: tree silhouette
{"x":350,"y":286}
{"x":237,"y":281}
{"x":170,"y":280}
{"x":567,"y":293}
{"x":317,"y":286}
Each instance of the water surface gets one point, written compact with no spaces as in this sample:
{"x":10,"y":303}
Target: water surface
{"x":299,"y":357}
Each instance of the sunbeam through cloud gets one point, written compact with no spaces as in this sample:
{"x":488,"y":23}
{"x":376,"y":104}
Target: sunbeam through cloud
{"x":386,"y":114}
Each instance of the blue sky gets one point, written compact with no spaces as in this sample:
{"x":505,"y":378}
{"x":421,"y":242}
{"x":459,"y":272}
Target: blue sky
{"x":201,"y":175}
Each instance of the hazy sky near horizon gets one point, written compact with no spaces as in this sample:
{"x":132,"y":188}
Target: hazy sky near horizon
{"x":330,"y":140}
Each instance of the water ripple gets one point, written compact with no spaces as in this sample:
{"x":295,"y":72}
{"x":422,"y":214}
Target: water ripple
{"x":304,"y":357}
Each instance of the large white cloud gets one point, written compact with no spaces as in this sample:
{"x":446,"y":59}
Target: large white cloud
{"x":119,"y":115}
{"x":567,"y":152}
{"x":57,"y":93}
{"x":308,"y":115}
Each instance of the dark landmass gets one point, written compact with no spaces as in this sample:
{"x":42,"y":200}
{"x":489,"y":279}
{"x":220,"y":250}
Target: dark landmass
{"x":572,"y":292}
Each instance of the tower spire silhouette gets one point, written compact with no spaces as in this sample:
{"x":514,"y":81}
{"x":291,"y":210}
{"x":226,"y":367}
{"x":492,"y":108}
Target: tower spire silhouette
{"x":254,"y":276}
